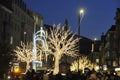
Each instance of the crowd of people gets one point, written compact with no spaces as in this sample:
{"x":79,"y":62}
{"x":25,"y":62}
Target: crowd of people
{"x":89,"y":75}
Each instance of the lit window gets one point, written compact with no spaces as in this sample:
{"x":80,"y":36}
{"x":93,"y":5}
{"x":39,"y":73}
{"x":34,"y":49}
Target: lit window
{"x":114,"y":63}
{"x":11,"y":40}
{"x":97,"y":60}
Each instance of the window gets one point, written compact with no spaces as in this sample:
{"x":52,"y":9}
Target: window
{"x":11,"y":40}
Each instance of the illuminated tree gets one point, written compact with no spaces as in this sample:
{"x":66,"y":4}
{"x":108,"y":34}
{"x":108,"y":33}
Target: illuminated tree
{"x":61,"y":41}
{"x":84,"y":62}
{"x":24,"y":54}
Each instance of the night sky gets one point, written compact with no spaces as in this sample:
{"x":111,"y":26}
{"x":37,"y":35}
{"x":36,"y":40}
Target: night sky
{"x":99,"y":14}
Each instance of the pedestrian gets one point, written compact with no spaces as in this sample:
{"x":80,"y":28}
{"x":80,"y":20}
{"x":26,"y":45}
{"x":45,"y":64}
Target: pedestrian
{"x":28,"y":75}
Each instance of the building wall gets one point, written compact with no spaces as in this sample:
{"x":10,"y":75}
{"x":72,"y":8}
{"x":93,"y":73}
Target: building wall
{"x":5,"y":22}
{"x":38,"y":20}
{"x":110,"y":47}
{"x":23,"y":25}
{"x":117,"y":19}
{"x":17,"y":22}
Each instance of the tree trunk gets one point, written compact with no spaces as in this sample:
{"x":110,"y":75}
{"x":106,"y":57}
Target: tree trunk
{"x":56,"y":65}
{"x":27,"y":66}
{"x":40,"y":55}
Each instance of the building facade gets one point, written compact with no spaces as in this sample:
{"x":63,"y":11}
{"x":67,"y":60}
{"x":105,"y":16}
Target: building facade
{"x":117,"y":19}
{"x":17,"y":22}
{"x":110,"y":46}
{"x":5,"y":22}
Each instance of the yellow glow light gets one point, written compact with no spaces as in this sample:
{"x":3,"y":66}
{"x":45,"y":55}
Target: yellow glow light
{"x":81,"y":11}
{"x":16,"y":70}
{"x":97,"y":68}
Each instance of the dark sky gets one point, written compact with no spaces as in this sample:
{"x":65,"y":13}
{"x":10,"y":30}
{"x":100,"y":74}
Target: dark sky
{"x":98,"y":17}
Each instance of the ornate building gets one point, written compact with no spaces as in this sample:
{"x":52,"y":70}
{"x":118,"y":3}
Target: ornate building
{"x":117,"y":19}
{"x":17,"y":22}
{"x":110,"y":46}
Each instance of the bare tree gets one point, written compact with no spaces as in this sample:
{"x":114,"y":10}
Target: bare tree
{"x":61,"y":41}
{"x":24,"y":54}
{"x":84,"y":62}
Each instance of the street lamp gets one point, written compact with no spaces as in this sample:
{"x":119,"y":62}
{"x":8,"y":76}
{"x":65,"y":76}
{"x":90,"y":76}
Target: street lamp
{"x":80,"y":16}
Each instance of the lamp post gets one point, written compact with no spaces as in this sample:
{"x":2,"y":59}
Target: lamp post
{"x":80,"y":16}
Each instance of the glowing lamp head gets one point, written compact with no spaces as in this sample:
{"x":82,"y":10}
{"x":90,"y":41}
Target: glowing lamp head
{"x":81,"y":11}
{"x":17,"y":70}
{"x":95,"y":39}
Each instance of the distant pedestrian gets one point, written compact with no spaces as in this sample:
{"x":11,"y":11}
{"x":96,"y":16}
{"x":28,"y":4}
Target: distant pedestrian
{"x":34,"y":75}
{"x":28,"y":75}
